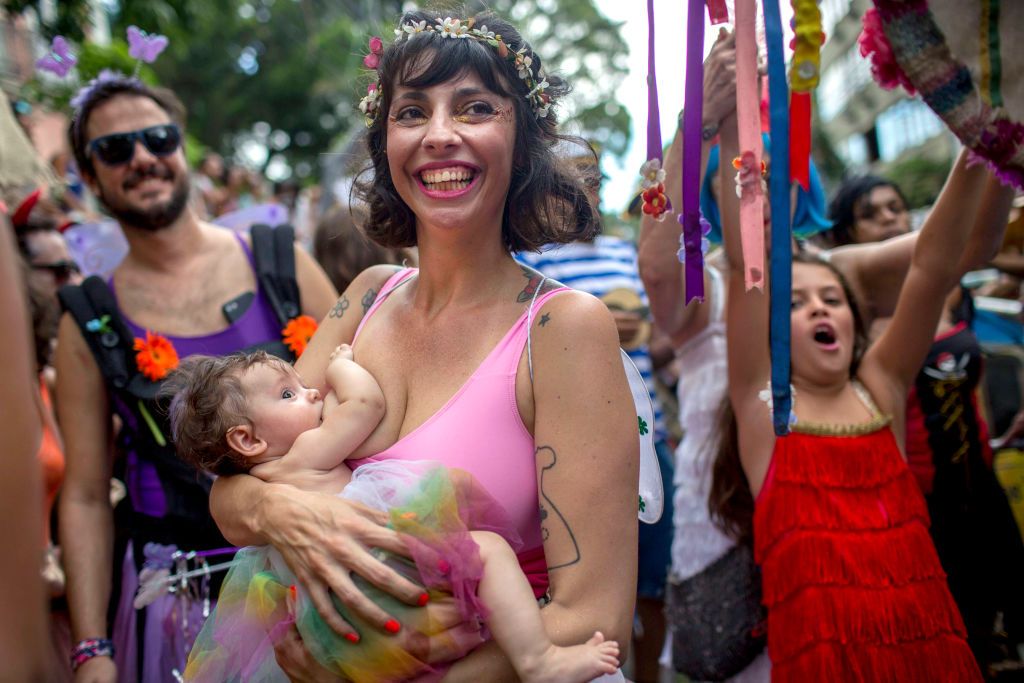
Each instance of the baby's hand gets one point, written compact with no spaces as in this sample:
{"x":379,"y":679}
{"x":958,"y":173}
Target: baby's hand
{"x":342,"y":351}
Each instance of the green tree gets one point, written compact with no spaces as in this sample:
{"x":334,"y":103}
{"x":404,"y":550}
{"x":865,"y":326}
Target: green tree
{"x":69,"y":18}
{"x":287,"y":74}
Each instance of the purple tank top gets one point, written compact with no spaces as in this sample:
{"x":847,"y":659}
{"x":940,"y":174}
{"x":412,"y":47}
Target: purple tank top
{"x":258,"y":324}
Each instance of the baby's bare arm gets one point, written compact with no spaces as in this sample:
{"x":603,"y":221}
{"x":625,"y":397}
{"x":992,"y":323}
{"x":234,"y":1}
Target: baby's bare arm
{"x":349,"y":416}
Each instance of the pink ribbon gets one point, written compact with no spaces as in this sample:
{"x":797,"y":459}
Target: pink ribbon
{"x":748,"y":119}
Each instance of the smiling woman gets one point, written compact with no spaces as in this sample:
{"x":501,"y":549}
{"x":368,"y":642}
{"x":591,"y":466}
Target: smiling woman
{"x":485,"y":366}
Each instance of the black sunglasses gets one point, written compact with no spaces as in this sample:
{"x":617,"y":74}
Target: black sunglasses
{"x":62,"y":270}
{"x":119,"y":148}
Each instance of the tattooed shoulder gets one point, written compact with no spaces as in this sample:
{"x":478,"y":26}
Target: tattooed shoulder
{"x":533,"y":281}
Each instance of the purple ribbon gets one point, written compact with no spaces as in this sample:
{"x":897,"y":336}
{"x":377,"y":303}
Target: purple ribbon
{"x":653,"y":113}
{"x":692,"y":141}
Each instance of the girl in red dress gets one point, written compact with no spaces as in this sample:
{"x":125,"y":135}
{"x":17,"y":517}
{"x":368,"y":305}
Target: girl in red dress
{"x":851,"y":580}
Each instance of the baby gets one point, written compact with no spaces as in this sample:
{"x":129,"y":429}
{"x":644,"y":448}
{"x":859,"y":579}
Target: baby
{"x":253,"y":413}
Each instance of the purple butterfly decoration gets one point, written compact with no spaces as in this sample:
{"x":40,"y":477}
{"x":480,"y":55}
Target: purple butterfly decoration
{"x":59,"y":61}
{"x":145,"y":46}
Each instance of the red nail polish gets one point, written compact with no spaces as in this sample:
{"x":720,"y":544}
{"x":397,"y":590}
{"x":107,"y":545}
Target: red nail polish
{"x":392,"y":626}
{"x":443,"y":566}
{"x":352,"y":637}
{"x":424,"y":599}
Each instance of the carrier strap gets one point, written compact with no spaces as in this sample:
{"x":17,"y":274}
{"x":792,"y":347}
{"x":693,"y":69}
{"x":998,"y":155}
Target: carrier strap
{"x":274,"y":252}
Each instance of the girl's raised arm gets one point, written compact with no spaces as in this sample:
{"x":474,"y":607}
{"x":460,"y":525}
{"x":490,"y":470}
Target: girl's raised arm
{"x":969,"y":216}
{"x":746,"y":329}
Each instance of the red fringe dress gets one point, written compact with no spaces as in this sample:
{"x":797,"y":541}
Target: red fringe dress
{"x":852,"y":583}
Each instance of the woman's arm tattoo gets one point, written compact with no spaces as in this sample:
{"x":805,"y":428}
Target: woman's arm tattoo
{"x":368,"y":299}
{"x":552,"y":522}
{"x":339,"y":308}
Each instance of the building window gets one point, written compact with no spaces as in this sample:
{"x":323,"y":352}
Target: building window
{"x":843,"y":79}
{"x":904,"y":125}
{"x":853,"y":150}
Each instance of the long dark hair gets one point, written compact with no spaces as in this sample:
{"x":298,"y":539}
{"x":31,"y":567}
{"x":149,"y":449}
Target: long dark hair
{"x":730,"y":501}
{"x":546,"y":203}
{"x":841,"y":210}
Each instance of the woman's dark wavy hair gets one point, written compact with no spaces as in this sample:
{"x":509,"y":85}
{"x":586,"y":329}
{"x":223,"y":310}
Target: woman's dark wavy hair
{"x":842,"y":208}
{"x":729,"y":501}
{"x":547,"y":201}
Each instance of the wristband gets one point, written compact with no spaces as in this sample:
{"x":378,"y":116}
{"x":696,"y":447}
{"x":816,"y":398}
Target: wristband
{"x":89,"y":648}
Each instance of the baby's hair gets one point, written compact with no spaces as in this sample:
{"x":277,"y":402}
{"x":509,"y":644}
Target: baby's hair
{"x":208,"y":400}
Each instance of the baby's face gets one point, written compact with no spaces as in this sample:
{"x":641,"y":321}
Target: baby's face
{"x":280,"y":406}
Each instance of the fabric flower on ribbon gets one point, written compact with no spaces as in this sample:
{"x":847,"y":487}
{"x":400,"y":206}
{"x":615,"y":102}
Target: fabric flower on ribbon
{"x":59,"y":60}
{"x":653,"y":184}
{"x":155,"y":356}
{"x":705,"y":243}
{"x":746,"y":177}
{"x":297,"y":333}
{"x":372,"y":60}
{"x":145,"y":47}
{"x":875,"y":46}
{"x":652,"y":174}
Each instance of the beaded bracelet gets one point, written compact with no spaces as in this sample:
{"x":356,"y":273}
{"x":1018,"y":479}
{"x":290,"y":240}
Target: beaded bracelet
{"x":89,"y":648}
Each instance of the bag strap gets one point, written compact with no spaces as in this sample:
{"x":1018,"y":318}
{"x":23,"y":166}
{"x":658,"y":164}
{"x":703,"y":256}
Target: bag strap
{"x":93,"y":308}
{"x":274,"y":252}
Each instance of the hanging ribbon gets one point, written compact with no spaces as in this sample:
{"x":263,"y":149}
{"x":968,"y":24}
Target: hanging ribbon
{"x":748,"y":120}
{"x":718,"y":11}
{"x":655,"y":201}
{"x":654,"y":147}
{"x":692,"y":141}
{"x":781,"y":254}
{"x":803,"y":78}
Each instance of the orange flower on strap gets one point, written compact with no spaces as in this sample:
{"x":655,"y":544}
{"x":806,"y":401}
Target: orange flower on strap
{"x":297,"y":333}
{"x":155,"y":356}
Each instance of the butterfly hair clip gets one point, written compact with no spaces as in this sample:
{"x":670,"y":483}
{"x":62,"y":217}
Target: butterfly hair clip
{"x":58,"y":60}
{"x":145,"y":47}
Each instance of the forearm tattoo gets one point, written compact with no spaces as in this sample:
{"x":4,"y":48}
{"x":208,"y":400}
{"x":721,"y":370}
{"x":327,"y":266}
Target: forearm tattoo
{"x":368,"y":299}
{"x":339,"y":308}
{"x":553,"y":524}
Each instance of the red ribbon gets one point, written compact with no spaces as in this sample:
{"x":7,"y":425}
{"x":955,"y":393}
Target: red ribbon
{"x":800,"y":138}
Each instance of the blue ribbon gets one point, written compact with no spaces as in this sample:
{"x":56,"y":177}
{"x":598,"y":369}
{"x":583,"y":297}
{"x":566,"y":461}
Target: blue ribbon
{"x":781,"y":240}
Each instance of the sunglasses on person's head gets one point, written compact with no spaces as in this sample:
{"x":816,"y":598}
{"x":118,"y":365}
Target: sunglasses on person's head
{"x":119,"y":148}
{"x":62,"y":270}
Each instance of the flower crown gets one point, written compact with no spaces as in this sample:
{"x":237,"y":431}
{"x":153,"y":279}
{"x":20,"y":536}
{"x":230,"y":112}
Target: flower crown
{"x":456,"y":28}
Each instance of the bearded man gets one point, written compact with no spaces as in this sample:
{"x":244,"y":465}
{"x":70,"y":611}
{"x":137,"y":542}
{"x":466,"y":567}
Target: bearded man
{"x":184,"y":287}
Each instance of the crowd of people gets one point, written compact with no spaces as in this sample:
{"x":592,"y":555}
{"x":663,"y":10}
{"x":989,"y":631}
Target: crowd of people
{"x":400,"y":445}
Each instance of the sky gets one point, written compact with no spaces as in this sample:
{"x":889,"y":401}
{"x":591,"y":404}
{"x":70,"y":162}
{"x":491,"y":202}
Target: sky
{"x":670,"y":59}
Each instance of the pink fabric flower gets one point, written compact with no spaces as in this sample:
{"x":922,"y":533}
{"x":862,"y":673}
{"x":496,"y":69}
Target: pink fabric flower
{"x":372,"y":60}
{"x":874,"y":45}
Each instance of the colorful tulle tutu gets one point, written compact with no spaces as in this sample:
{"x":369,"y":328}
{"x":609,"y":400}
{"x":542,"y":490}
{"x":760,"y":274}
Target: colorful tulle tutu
{"x":432,"y":508}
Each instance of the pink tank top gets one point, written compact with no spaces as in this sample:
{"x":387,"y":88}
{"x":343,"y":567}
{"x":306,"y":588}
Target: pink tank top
{"x":479,"y":430}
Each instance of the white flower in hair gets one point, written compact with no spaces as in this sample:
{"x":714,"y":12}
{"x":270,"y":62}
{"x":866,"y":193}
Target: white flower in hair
{"x":652,"y":174}
{"x":452,"y":28}
{"x":523,"y":62}
{"x":482,"y":32}
{"x":413,"y":27}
